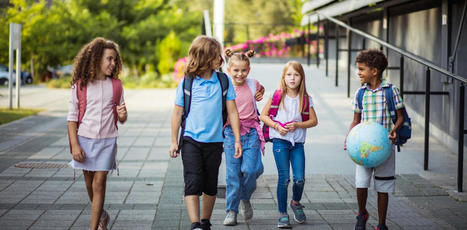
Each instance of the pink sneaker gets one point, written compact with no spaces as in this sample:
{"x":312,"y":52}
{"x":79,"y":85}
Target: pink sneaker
{"x":103,"y":221}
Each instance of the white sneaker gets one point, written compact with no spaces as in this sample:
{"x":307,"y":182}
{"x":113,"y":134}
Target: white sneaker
{"x":230,"y":218}
{"x":246,"y":210}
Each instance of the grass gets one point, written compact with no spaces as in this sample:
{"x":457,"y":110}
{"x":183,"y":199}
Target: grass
{"x":7,"y":115}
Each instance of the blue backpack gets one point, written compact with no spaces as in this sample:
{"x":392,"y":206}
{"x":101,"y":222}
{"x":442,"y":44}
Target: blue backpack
{"x":405,"y":132}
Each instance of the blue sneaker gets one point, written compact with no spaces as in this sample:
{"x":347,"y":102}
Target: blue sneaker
{"x":284,"y":221}
{"x":362,"y":217}
{"x":298,"y":213}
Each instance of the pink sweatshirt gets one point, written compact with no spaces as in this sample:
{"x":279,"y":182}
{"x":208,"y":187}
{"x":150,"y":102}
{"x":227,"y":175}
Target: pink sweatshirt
{"x":98,"y":120}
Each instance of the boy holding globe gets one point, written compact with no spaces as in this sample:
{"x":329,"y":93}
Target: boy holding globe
{"x":370,"y":65}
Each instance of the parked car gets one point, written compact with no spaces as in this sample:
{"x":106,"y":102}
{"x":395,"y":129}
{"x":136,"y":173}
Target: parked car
{"x":26,"y":77}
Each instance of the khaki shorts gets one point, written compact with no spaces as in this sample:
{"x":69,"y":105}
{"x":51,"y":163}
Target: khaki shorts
{"x":384,"y":181}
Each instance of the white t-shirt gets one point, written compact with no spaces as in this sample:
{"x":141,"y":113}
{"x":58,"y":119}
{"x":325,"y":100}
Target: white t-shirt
{"x":287,"y":114}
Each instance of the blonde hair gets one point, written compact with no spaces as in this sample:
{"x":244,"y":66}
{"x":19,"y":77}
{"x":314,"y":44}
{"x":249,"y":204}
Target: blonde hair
{"x":239,"y":56}
{"x":202,"y":56}
{"x":302,"y":87}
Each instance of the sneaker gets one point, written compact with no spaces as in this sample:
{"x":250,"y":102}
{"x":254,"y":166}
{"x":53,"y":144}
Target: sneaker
{"x":284,"y":221}
{"x":206,"y":224}
{"x":361,"y":221}
{"x":382,"y":227}
{"x":196,"y":226}
{"x":103,"y":220}
{"x":298,"y":213}
{"x":246,"y":210}
{"x":230,"y":218}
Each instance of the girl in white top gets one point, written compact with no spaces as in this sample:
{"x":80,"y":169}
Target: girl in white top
{"x":288,"y":133}
{"x":93,"y":145}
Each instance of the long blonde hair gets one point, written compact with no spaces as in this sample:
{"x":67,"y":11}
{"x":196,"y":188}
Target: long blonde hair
{"x":302,"y":87}
{"x":204,"y":51}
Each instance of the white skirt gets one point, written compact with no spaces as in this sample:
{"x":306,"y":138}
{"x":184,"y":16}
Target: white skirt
{"x":100,"y":154}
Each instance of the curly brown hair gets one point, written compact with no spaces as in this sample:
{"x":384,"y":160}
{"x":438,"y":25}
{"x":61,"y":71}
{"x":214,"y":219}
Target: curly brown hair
{"x":88,"y":60}
{"x":203,"y":56}
{"x":373,"y":58}
{"x":239,"y":56}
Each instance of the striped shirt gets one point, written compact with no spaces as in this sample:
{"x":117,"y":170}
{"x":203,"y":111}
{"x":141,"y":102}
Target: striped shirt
{"x":375,"y":108}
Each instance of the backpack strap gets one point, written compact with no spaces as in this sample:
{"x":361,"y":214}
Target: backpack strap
{"x":252,"y":86}
{"x":187,"y":87}
{"x":360,"y":94}
{"x":81,"y":93}
{"x":224,"y":81}
{"x":116,"y":96}
{"x":390,"y":102}
{"x":276,"y":100}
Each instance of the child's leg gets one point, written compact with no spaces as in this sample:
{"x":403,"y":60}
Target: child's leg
{"x":192,"y":207}
{"x":282,"y":157}
{"x":88,"y":177}
{"x":98,"y":189}
{"x":233,"y":173}
{"x":362,"y":194}
{"x":192,"y":175}
{"x":383,"y":199}
{"x":212,"y":157}
{"x":297,"y":156}
{"x":251,"y":166}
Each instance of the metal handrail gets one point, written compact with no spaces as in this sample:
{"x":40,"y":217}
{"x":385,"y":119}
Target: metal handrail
{"x":403,"y":52}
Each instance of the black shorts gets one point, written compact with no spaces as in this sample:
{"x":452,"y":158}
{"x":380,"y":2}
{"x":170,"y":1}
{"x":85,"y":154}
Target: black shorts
{"x":201,"y":163}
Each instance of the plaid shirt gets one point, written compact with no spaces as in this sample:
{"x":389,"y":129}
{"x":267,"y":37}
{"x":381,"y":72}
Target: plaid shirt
{"x":375,"y":108}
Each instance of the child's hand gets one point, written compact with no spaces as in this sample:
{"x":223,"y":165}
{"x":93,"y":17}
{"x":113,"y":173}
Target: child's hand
{"x":173,"y":150}
{"x":259,"y":96}
{"x":393,"y":135}
{"x":78,"y":153}
{"x":121,"y":111}
{"x":282,"y":131}
{"x":291,"y":126}
{"x":238,"y":150}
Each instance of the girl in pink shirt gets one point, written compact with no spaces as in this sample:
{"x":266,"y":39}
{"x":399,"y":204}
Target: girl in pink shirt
{"x":96,"y":104}
{"x":241,"y":173}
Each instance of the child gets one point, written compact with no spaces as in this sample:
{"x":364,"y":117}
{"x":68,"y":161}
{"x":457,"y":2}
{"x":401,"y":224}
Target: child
{"x":241,"y":173}
{"x":96,"y":104}
{"x":290,"y":112}
{"x":371,"y":64}
{"x":201,"y":137}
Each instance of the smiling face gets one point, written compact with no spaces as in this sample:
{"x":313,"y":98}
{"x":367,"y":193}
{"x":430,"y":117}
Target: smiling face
{"x":366,"y":73}
{"x":292,"y":78}
{"x":108,"y":62}
{"x":238,"y":70}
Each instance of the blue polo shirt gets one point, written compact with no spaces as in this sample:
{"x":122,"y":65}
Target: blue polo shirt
{"x":204,"y":122}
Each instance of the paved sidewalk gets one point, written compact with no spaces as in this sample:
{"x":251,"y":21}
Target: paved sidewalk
{"x":148,"y":193}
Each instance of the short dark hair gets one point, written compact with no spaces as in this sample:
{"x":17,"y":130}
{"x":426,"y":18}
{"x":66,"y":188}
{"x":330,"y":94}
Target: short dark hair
{"x":373,"y":58}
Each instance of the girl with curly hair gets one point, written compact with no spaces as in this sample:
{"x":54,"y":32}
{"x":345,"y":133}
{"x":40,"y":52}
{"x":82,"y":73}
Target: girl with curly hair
{"x":96,"y":104}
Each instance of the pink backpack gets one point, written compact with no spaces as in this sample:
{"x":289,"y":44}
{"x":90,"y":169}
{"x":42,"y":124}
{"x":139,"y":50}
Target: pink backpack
{"x":276,"y":100}
{"x":81,"y":94}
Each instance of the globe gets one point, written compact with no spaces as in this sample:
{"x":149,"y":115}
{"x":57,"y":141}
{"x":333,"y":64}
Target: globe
{"x":368,"y":144}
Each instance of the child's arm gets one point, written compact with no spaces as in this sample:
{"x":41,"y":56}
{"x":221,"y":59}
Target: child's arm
{"x":356,"y":120}
{"x":264,"y":117}
{"x":235,"y":124}
{"x":77,"y":151}
{"x":121,"y":112}
{"x":176,"y":121}
{"x":312,"y":122}
{"x":259,"y":94}
{"x":397,"y":126}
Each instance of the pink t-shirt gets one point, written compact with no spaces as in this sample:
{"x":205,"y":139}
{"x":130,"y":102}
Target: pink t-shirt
{"x":98,"y":120}
{"x":244,"y":101}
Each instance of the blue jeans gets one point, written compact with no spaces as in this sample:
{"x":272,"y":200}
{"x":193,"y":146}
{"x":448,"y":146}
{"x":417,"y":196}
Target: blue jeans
{"x":285,"y":155}
{"x":241,"y":173}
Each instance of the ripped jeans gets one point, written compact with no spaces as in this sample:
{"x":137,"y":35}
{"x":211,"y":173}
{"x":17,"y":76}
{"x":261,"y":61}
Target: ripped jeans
{"x":285,"y":155}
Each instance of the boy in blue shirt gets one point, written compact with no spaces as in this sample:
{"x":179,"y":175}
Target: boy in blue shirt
{"x":202,"y":141}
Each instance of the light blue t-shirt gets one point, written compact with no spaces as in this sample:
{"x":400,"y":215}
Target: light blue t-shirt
{"x":204,"y":122}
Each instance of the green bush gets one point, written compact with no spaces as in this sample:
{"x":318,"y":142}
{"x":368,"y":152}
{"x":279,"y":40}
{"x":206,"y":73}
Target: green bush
{"x":60,"y":83}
